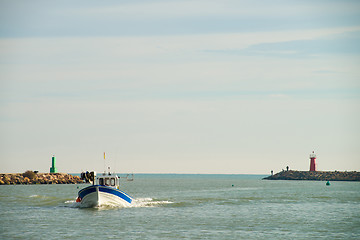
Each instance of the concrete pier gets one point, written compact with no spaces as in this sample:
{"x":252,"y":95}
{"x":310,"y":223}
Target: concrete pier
{"x":315,"y":175}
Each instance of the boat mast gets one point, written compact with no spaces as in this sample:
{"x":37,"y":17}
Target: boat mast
{"x":104,"y":165}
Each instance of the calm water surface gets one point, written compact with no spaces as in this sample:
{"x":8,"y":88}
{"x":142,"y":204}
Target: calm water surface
{"x":170,"y":206}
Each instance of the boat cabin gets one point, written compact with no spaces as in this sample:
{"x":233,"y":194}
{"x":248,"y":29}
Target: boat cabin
{"x":108,"y":180}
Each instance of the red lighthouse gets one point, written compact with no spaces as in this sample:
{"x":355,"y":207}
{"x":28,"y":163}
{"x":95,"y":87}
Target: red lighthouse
{"x":312,"y":161}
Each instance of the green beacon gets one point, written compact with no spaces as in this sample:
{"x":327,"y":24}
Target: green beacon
{"x":53,"y":169}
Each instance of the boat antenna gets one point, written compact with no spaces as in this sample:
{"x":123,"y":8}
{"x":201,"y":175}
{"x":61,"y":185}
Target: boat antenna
{"x":104,"y":164}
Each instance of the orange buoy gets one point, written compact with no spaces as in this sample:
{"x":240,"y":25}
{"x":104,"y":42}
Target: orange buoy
{"x":78,"y":199}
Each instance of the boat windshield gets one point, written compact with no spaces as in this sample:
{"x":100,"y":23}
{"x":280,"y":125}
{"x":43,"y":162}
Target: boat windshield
{"x":107,"y":181}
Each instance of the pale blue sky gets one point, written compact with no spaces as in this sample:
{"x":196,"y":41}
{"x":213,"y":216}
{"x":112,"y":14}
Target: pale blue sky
{"x":179,"y":86}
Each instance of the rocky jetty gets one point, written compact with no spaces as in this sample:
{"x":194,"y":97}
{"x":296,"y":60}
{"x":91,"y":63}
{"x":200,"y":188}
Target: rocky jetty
{"x":30,"y":177}
{"x":315,"y":175}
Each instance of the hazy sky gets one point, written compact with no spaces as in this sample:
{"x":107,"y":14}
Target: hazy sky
{"x":179,"y":86}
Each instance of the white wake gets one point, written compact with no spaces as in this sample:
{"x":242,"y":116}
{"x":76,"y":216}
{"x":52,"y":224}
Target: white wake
{"x":136,"y":203}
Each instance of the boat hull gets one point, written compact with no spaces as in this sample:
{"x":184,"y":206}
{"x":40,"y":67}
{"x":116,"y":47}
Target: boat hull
{"x":98,"y":195}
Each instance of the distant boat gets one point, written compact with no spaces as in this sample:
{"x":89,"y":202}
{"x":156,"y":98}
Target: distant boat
{"x":104,"y":191}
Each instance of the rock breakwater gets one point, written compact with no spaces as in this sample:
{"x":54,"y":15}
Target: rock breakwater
{"x":38,"y":178}
{"x":315,"y":175}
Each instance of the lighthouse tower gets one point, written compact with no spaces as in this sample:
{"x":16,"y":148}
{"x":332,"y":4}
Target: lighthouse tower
{"x":312,"y":162}
{"x":53,"y":169}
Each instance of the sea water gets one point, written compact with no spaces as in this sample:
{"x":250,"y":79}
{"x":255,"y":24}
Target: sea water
{"x":178,"y":206}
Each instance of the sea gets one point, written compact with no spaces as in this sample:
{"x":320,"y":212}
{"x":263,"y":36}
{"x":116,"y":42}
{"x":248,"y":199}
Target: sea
{"x":187,"y":206}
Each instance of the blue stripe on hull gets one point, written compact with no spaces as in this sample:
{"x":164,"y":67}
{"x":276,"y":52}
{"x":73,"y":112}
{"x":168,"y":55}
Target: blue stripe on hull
{"x":82,"y":193}
{"x":115,"y":192}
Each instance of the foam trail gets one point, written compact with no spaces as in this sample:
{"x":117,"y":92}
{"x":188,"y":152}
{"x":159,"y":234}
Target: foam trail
{"x":140,"y":202}
{"x":148,"y":202}
{"x":39,"y":196}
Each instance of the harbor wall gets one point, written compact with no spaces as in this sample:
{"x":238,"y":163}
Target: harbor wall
{"x":316,"y":175}
{"x":38,"y":178}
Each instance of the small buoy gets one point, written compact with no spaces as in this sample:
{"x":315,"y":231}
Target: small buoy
{"x":328,"y":183}
{"x":78,"y":199}
{"x":232,"y":185}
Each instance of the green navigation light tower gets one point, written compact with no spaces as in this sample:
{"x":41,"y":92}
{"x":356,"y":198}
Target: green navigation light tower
{"x":53,"y":169}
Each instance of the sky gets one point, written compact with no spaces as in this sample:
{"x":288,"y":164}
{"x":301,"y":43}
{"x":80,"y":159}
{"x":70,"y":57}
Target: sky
{"x":201,"y":86}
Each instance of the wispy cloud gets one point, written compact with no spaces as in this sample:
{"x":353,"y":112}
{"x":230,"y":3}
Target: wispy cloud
{"x":338,"y":44}
{"x":189,"y":65}
{"x":148,"y":18}
{"x":130,"y":48}
{"x":231,"y":9}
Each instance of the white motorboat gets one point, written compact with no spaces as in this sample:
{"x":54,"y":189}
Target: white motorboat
{"x":105,"y":190}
